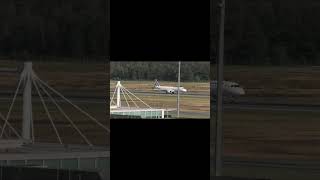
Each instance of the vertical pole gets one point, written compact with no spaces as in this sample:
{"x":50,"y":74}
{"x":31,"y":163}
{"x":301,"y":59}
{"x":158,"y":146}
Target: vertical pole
{"x":78,"y":163}
{"x":108,"y":29}
{"x":27,"y":102}
{"x":219,"y":128}
{"x":167,"y":114}
{"x":118,"y":94}
{"x":178,"y":99}
{"x":162,"y":113}
{"x":212,"y":77}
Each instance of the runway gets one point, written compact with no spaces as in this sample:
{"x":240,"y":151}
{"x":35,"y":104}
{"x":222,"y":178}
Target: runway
{"x":240,"y":103}
{"x":153,"y":93}
{"x":249,"y":103}
{"x":295,"y":164}
{"x":271,"y":169}
{"x":256,"y":107}
{"x":87,"y":100}
{"x":226,"y":107}
{"x":270,"y":107}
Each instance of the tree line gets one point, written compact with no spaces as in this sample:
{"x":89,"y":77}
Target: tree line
{"x":163,"y":71}
{"x":272,"y":32}
{"x":276,"y":32}
{"x":61,"y":28}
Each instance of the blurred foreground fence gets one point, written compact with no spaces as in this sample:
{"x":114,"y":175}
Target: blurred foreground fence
{"x":31,"y":173}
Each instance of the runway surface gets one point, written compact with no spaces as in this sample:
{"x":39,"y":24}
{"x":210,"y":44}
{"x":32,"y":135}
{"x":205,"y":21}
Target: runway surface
{"x":240,"y":104}
{"x":295,"y":164}
{"x":75,"y":100}
{"x":251,"y":103}
{"x":150,"y":93}
{"x":271,"y":169}
{"x":270,"y":107}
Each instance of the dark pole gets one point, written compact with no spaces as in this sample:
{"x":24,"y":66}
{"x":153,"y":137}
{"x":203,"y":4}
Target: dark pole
{"x":108,"y":29}
{"x":219,"y":128}
{"x":212,"y":114}
{"x":178,"y":99}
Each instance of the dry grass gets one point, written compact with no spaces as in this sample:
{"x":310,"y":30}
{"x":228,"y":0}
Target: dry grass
{"x":270,"y":134}
{"x":203,"y":87}
{"x":192,"y":104}
{"x":71,"y":78}
{"x":187,"y":103}
{"x":44,"y":131}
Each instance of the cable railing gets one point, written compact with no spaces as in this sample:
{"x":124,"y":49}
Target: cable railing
{"x":29,"y":79}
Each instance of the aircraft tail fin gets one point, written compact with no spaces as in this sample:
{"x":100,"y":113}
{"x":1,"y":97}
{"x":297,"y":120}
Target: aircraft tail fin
{"x":156,"y":83}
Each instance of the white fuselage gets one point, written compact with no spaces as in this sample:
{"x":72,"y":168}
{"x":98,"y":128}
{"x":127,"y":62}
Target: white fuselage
{"x":229,"y":88}
{"x":170,"y":89}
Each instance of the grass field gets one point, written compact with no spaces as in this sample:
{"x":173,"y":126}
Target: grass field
{"x":272,"y":134}
{"x":293,"y":135}
{"x":198,"y":87}
{"x":44,"y":131}
{"x":255,"y":134}
{"x":272,"y":173}
{"x":70,"y":78}
{"x":187,"y":104}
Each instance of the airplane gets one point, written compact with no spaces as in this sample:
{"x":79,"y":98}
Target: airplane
{"x":229,"y":88}
{"x":167,"y":89}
